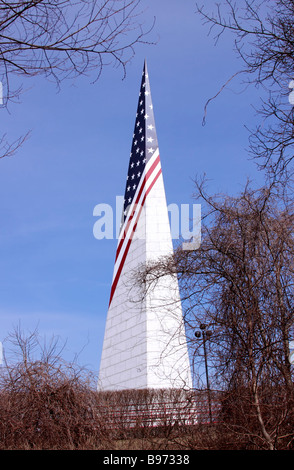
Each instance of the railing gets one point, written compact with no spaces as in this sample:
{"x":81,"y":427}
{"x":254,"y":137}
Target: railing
{"x":159,"y":413}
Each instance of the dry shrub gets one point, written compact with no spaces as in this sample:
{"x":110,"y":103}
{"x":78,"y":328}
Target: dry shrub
{"x":46,"y":403}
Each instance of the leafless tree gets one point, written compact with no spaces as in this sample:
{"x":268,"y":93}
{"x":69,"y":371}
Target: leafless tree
{"x":46,"y":402}
{"x":240,"y":284}
{"x":263,"y":40}
{"x":62,"y":40}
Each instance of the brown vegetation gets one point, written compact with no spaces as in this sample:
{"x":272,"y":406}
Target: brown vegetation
{"x":48,"y":404}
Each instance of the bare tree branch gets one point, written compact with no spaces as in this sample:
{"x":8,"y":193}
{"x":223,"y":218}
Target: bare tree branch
{"x":263,"y":35}
{"x":64,"y":39}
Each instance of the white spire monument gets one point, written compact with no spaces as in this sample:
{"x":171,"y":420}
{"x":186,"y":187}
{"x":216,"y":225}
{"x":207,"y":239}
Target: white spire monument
{"x":144,"y":342}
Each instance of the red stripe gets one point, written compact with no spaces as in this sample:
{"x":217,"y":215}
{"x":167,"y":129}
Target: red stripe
{"x":149,"y":172}
{"x":114,"y":284}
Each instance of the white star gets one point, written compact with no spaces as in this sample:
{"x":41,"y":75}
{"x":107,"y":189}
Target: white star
{"x":134,"y":187}
{"x":138,"y":163}
{"x":128,"y":188}
{"x":133,"y":176}
{"x":150,"y":139}
{"x":150,"y":127}
{"x":132,"y":164}
{"x":146,"y":116}
{"x":150,"y":150}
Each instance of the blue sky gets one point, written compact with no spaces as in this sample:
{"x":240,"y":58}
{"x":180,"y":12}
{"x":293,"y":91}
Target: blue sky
{"x":54,"y":274}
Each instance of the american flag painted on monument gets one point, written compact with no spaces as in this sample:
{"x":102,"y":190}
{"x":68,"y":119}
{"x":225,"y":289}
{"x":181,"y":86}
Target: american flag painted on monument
{"x":144,"y":344}
{"x":144,"y":170}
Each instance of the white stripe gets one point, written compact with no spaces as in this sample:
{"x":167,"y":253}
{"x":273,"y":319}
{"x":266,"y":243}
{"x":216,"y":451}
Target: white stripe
{"x":136,"y":210}
{"x":146,"y":169}
{"x":134,"y":221}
